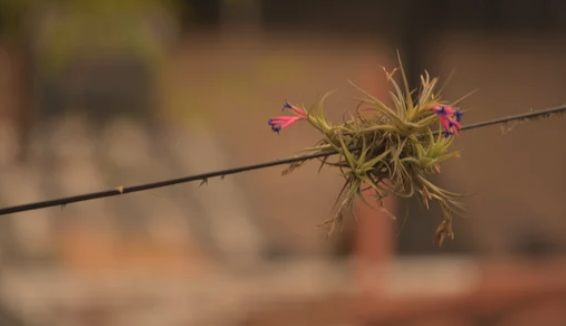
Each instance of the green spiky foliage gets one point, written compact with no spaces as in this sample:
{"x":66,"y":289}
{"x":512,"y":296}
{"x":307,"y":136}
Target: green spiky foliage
{"x":392,"y":150}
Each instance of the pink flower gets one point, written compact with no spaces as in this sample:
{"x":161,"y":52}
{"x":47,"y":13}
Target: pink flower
{"x":450,"y":119}
{"x":281,"y":122}
{"x":295,"y":109}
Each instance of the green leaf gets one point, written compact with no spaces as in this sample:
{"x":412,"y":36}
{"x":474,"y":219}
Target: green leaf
{"x":409,"y":99}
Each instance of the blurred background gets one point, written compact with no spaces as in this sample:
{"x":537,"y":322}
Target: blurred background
{"x":100,"y":94}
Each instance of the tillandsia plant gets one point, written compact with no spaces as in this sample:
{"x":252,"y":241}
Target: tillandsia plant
{"x":391,"y":150}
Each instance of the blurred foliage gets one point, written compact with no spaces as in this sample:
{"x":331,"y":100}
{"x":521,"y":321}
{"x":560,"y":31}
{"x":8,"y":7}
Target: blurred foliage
{"x":71,"y":28}
{"x":13,"y":13}
{"x":237,"y":2}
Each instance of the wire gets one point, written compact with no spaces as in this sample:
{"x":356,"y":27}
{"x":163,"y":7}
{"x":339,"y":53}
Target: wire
{"x":205,"y":176}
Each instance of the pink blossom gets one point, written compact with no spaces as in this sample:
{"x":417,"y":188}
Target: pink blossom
{"x":281,"y":122}
{"x":295,"y":109}
{"x":450,"y":119}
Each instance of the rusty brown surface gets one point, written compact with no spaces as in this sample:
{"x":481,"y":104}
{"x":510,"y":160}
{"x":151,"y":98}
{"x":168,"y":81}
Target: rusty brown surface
{"x":507,"y":290}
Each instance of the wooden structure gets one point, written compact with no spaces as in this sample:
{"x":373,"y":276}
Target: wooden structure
{"x":512,"y":292}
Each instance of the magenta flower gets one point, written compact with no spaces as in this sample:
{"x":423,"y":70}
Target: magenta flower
{"x":295,"y":109}
{"x":282,"y":122}
{"x":458,"y":116}
{"x":450,"y":119}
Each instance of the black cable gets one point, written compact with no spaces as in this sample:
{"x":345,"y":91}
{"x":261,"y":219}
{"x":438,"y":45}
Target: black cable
{"x":205,"y":176}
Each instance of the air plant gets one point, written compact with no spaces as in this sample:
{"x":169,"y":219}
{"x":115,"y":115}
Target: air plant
{"x":391,"y":150}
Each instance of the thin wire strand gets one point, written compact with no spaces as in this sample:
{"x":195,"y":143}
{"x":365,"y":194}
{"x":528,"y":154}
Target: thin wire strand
{"x":205,"y":176}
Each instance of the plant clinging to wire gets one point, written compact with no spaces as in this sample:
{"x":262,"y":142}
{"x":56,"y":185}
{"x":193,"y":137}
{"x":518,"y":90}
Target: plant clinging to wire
{"x":391,"y":150}
{"x":411,"y":155}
